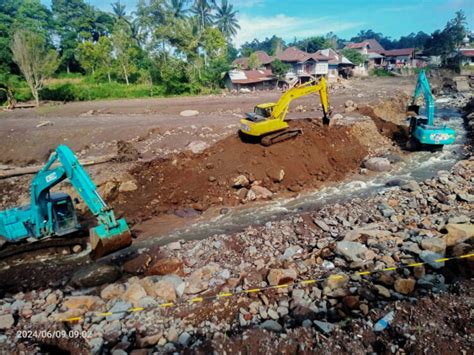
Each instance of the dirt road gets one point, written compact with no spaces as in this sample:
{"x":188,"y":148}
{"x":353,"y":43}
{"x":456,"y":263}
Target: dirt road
{"x":155,"y":125}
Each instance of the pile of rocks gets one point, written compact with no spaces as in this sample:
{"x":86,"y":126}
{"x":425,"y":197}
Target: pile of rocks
{"x":412,"y":223}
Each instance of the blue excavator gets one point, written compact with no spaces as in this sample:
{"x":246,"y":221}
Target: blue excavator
{"x":424,"y":133}
{"x":52,"y":214}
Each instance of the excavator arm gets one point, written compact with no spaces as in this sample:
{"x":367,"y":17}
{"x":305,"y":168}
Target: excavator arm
{"x":281,"y":108}
{"x":423,"y":86}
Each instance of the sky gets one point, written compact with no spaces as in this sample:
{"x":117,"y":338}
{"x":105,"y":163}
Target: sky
{"x":303,"y":18}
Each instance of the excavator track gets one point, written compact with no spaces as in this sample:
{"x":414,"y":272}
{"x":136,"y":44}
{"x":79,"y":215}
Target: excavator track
{"x":278,"y":137}
{"x":9,"y":250}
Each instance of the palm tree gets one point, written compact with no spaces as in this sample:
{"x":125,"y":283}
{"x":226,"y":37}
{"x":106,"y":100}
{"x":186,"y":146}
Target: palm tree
{"x":177,"y":8}
{"x":203,"y":11}
{"x":226,"y":19}
{"x":119,"y":10}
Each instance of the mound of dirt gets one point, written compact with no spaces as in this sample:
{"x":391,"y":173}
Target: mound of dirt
{"x":195,"y":182}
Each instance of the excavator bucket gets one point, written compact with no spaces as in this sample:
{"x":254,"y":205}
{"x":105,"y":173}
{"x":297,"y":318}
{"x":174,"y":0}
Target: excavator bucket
{"x":413,"y":108}
{"x":104,"y":242}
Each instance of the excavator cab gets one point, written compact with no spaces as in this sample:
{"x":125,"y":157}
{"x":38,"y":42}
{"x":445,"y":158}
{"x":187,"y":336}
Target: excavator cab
{"x":64,"y":219}
{"x":261,"y":112}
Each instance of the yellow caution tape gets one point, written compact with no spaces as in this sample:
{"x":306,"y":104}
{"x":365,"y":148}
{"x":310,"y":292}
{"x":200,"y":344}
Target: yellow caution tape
{"x":255,"y":290}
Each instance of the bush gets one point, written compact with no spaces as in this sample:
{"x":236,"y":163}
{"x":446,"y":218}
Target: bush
{"x":379,"y":72}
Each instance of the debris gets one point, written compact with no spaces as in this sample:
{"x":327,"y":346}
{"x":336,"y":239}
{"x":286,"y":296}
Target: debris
{"x":189,"y":113}
{"x":384,"y":322}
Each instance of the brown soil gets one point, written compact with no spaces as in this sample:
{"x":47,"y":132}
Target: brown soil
{"x":199,"y":181}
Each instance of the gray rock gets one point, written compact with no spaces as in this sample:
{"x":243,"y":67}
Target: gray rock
{"x":273,"y":314}
{"x":433,"y":282}
{"x":6,"y":321}
{"x":184,"y":338}
{"x":178,"y":283}
{"x":119,"y":310}
{"x":271,"y":325}
{"x":96,"y":275}
{"x":325,"y":327}
{"x":378,"y":164}
{"x":321,"y":224}
{"x":352,"y":251}
{"x":458,"y":219}
{"x":411,"y":186}
{"x":119,"y":352}
{"x":96,"y":345}
{"x":430,"y":257}
{"x":291,"y":251}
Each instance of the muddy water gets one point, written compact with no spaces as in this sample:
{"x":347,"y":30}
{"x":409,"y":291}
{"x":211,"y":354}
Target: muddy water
{"x":414,"y":166}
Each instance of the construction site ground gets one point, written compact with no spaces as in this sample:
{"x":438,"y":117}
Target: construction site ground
{"x":166,"y":168}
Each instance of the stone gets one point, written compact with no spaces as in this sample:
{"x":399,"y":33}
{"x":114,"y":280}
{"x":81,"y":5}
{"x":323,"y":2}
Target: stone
{"x":178,"y":283}
{"x":52,"y":298}
{"x":276,"y":175}
{"x":433,"y":282}
{"x":134,"y":293}
{"x":6,"y":321}
{"x":87,"y":303}
{"x":325,"y":327}
{"x":197,"y":146}
{"x":352,"y":251}
{"x":261,"y":192}
{"x":172,"y":335}
{"x":138,"y":264}
{"x":165,"y":290}
{"x":147,"y":341}
{"x":458,"y":233}
{"x":271,"y":325}
{"x":351,"y":302}
{"x":321,"y":224}
{"x":241,"y":181}
{"x":404,"y":286}
{"x":128,"y":186}
{"x":184,"y":338}
{"x":96,"y":275}
{"x":198,"y":281}
{"x":119,"y":310}
{"x":378,"y":164}
{"x":411,"y":186}
{"x":436,"y":245}
{"x":291,"y":251}
{"x":174,"y":245}
{"x":166,"y":266}
{"x":430,"y":258}
{"x":281,"y":276}
{"x":112,"y":331}
{"x":189,"y":113}
{"x":75,"y":249}
{"x":336,"y":281}
{"x":383,"y":291}
{"x":112,"y":291}
{"x":39,"y":318}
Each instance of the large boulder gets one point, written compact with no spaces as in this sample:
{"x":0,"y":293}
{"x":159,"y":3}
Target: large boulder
{"x":352,"y":251}
{"x":281,"y":276}
{"x":458,"y":233}
{"x":378,"y":164}
{"x":96,"y":275}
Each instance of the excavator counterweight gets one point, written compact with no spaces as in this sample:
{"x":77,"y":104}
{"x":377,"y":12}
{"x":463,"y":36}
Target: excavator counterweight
{"x":52,"y":214}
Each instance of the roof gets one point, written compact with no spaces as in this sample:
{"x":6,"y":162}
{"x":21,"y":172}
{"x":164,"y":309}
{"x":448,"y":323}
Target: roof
{"x":467,"y":52}
{"x":375,"y":55}
{"x":292,"y":54}
{"x":250,"y":76}
{"x":400,"y":52}
{"x":334,"y":57}
{"x":372,"y":44}
{"x":262,"y":56}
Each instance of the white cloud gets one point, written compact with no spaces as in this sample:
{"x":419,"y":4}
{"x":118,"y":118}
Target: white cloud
{"x":288,"y":27}
{"x":248,"y":3}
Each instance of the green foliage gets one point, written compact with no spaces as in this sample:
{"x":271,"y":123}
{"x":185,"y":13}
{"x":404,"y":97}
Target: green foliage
{"x":279,"y":69}
{"x":253,"y":62}
{"x":271,"y":46}
{"x":312,"y":44}
{"x":354,"y":56}
{"x":379,"y":72}
{"x":226,"y":19}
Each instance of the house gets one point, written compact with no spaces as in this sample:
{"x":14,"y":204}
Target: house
{"x":303,"y":65}
{"x":259,"y":79}
{"x":373,"y":51}
{"x":367,"y":46}
{"x":263,"y":58}
{"x":467,"y":56}
{"x":337,"y":64}
{"x":400,"y":57}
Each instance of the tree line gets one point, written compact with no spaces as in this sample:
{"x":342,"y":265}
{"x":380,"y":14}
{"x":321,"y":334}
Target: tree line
{"x":178,"y":46}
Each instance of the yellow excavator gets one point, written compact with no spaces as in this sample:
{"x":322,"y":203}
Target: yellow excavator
{"x":267,"y":122}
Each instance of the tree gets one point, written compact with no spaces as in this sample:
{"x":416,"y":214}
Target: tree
{"x":272,"y":46}
{"x":36,"y":61}
{"x":312,"y":44}
{"x":226,"y":19}
{"x":203,"y":12}
{"x":279,"y":70}
{"x":253,"y":62}
{"x":119,"y":10}
{"x":354,"y":56}
{"x":177,"y":8}
{"x":125,"y":48}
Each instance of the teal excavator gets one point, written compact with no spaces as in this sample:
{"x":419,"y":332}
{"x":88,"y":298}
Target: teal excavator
{"x":52,"y":214}
{"x":424,"y":133}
